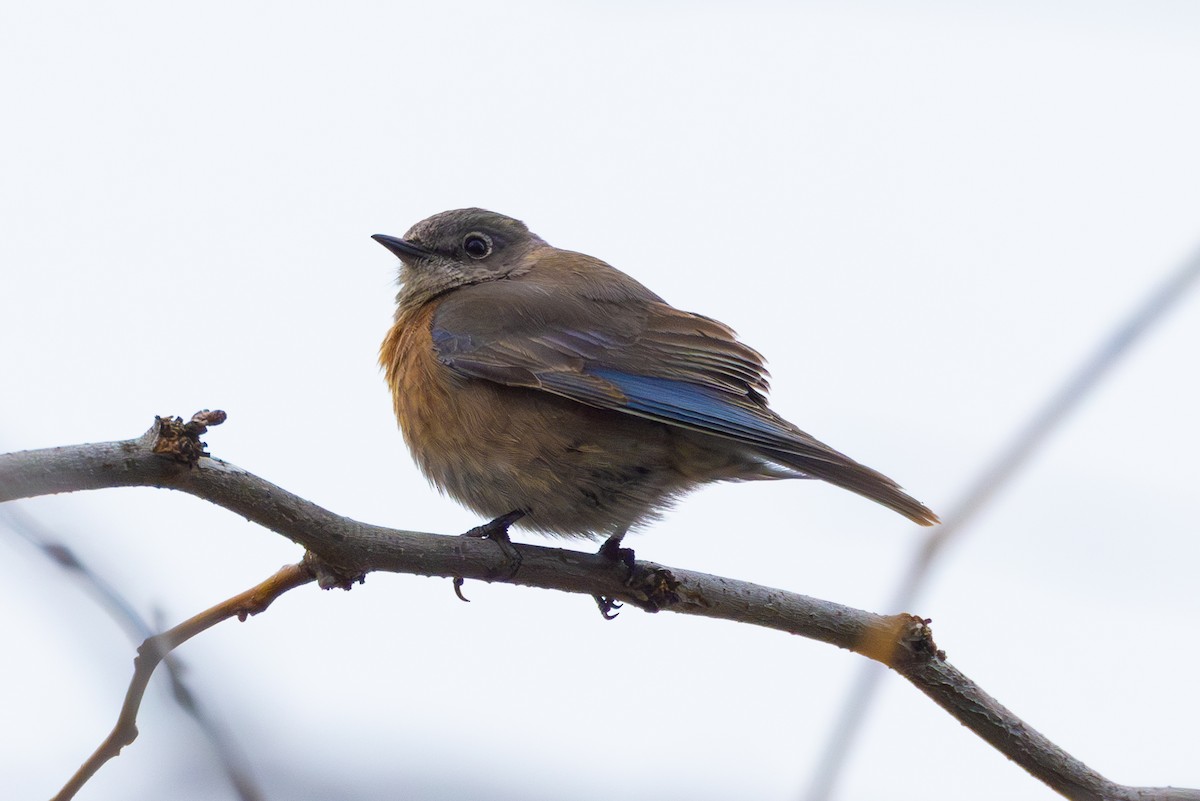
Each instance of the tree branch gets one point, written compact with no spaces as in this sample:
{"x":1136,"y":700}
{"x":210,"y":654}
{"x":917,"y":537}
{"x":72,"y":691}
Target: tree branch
{"x":171,"y":456}
{"x":227,"y":754}
{"x":151,"y":652}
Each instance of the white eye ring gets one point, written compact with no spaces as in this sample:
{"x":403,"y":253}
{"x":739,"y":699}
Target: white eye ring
{"x":477,"y":245}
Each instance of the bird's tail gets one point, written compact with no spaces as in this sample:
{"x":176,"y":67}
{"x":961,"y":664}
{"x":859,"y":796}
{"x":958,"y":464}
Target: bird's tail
{"x":818,"y":460}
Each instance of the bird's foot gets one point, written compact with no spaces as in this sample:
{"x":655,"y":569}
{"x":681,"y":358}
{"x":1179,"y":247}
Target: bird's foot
{"x":613,"y":552}
{"x":496,"y":531}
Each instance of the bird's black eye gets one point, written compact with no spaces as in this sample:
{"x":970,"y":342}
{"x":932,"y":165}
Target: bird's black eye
{"x":477,"y":245}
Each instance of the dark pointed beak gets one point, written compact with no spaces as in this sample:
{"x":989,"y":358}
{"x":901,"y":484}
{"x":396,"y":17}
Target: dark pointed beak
{"x":401,"y":247}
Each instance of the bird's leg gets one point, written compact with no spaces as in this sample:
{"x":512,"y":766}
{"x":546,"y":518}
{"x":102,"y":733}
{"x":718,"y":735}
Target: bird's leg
{"x":496,"y":531}
{"x":611,"y":550}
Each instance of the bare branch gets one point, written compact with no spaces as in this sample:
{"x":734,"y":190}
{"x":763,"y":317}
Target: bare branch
{"x":156,"y":648}
{"x":346,"y":550}
{"x":231,"y":760}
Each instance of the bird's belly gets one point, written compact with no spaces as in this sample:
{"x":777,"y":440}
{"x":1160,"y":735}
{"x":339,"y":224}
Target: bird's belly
{"x":574,"y":470}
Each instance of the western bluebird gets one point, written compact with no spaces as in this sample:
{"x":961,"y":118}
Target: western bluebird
{"x":531,"y":379}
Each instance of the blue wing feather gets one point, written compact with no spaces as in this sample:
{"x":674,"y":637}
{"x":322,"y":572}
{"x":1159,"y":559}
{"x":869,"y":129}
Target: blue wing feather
{"x":693,"y":406}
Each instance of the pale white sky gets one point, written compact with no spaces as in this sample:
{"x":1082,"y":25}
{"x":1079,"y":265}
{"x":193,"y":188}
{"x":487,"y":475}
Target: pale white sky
{"x":924,"y":218}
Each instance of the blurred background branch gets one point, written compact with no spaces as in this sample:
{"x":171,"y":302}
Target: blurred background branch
{"x":993,"y":478}
{"x":225,"y":748}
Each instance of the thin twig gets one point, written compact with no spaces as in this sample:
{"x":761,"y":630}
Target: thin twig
{"x":345,"y":550}
{"x":156,"y":648}
{"x":119,"y":609}
{"x":991,"y":480}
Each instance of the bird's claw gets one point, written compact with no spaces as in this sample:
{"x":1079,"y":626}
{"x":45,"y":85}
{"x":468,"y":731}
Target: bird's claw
{"x":609,"y":607}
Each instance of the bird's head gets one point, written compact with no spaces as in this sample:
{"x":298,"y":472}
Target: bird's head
{"x":458,"y":248}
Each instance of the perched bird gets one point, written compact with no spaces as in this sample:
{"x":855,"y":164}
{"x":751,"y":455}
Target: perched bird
{"x":531,"y":379}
